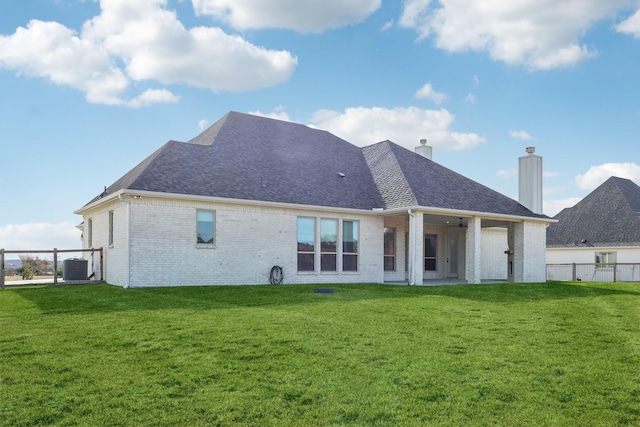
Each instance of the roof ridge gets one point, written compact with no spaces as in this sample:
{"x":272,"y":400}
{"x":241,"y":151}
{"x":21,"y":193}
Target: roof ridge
{"x":386,"y":177}
{"x":207,"y":136}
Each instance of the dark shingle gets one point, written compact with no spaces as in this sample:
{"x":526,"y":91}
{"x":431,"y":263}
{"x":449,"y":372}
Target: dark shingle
{"x":408,"y":178}
{"x":608,"y":216}
{"x":256,"y":158}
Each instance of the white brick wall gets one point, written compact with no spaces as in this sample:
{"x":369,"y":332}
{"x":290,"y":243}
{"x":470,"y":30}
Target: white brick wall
{"x":114,"y":255}
{"x":530,"y":252}
{"x":249,"y":241}
{"x":494,"y":259}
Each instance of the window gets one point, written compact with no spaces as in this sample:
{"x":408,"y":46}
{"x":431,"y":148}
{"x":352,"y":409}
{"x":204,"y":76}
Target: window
{"x":350,"y":246}
{"x":605,"y":259}
{"x":306,"y":244}
{"x":328,"y":244}
{"x":430,"y":252}
{"x":389,"y":249}
{"x":110,"y":228}
{"x":205,"y":227}
{"x":90,"y":232}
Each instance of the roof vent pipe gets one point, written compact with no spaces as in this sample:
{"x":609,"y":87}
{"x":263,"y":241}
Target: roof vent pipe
{"x":530,"y":181}
{"x":423,"y":149}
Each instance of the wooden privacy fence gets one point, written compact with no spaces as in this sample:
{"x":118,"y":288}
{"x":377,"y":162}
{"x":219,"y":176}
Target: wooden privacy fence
{"x":55,"y":253}
{"x":575,"y":272}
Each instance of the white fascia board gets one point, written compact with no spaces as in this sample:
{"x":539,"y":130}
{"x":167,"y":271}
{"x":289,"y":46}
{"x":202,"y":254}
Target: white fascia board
{"x":209,"y":199}
{"x":99,"y":202}
{"x":467,"y":214}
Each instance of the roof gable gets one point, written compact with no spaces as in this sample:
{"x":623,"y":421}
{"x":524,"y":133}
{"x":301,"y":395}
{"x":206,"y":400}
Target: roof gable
{"x":407,"y":179}
{"x":608,"y":216}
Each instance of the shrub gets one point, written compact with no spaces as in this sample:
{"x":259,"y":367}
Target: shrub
{"x":27,"y":272}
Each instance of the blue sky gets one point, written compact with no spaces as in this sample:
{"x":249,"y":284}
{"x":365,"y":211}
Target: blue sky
{"x":89,"y":89}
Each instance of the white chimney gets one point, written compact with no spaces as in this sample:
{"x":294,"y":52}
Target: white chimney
{"x":530,"y":181}
{"x":423,"y":149}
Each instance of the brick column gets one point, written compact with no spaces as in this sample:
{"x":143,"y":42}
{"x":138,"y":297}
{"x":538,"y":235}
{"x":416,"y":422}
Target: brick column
{"x":473,"y":251}
{"x":416,"y":248}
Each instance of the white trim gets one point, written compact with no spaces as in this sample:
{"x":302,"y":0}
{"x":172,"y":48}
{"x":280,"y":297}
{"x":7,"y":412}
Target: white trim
{"x":375,"y":211}
{"x":210,"y":199}
{"x":465,"y":214}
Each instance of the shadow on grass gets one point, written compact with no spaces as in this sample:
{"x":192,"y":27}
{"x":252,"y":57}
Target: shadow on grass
{"x":94,"y":298}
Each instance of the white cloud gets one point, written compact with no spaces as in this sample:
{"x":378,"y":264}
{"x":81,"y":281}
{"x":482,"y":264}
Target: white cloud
{"x":427,"y":92}
{"x":387,"y":26}
{"x":304,"y":16}
{"x":596,"y":175}
{"x":140,"y":41}
{"x":520,"y":134}
{"x":153,"y":96}
{"x":537,"y":34}
{"x":404,"y":126}
{"x":630,"y":25}
{"x":202,"y":124}
{"x":552,"y":207}
{"x":40,"y":236}
{"x":51,"y":50}
{"x":470,"y":99}
{"x":278,"y":113}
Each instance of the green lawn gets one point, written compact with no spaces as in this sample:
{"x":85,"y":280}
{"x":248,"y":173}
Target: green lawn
{"x":515,"y":355}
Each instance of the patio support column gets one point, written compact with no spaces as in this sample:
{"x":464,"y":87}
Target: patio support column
{"x":416,"y":248}
{"x":474,"y":251}
{"x":529,"y":257}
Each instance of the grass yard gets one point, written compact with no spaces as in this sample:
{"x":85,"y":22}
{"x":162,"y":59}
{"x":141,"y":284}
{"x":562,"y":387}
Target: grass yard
{"x":515,"y":355}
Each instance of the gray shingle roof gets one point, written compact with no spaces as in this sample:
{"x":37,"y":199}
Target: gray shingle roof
{"x":256,"y":158}
{"x":608,"y":216}
{"x":247,"y":157}
{"x":406,"y":178}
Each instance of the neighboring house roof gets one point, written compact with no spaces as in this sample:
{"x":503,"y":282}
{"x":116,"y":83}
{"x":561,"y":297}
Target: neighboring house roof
{"x":249,"y":157}
{"x":608,"y":216}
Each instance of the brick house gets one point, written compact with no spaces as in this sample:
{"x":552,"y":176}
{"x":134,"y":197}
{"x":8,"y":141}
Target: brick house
{"x":250,"y":193}
{"x":601,"y":230}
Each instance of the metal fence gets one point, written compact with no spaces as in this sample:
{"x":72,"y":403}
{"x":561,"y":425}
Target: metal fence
{"x":95,"y":262}
{"x":615,"y":272}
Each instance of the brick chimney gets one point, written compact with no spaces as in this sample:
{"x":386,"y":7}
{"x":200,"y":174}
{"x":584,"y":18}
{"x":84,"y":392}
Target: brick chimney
{"x":423,"y":149}
{"x":530,"y":181}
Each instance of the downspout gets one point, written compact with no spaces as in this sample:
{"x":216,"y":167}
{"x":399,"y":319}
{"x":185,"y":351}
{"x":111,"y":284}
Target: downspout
{"x":412,"y":247}
{"x":127,"y":201}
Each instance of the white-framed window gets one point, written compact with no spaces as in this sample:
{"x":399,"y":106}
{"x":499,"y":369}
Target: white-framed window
{"x":110,"y":228}
{"x":430,"y":252}
{"x":306,"y":244}
{"x":333,"y":256}
{"x":605,"y":259}
{"x":328,"y":244}
{"x":350,"y":238}
{"x":205,"y":227}
{"x":389,"y":249}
